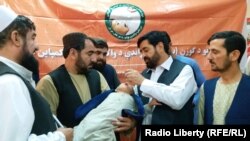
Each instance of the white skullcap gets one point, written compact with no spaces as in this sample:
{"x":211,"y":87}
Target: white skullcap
{"x":7,"y":16}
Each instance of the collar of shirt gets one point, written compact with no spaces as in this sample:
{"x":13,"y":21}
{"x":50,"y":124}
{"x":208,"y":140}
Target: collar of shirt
{"x":165,"y":65}
{"x":25,"y":73}
{"x":159,"y":69}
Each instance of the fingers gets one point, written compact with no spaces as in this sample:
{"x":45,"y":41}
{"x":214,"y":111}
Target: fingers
{"x":129,"y":70}
{"x":123,"y":119}
{"x":123,"y":124}
{"x":133,"y":77}
{"x":154,"y":102}
{"x":130,"y":73}
{"x":121,"y":129}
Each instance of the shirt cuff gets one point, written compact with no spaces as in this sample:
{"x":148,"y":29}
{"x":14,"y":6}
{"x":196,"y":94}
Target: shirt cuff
{"x":60,"y":135}
{"x":51,"y":136}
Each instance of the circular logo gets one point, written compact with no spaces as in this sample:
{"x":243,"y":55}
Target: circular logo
{"x":124,"y":21}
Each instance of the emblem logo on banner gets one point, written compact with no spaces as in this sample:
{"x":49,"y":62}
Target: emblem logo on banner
{"x":124,"y":21}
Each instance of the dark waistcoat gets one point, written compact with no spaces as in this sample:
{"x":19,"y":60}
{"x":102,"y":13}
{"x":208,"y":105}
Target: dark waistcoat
{"x":69,"y":98}
{"x":44,"y":121}
{"x":163,"y":114}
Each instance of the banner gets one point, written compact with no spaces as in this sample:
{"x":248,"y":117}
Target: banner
{"x":189,"y":22}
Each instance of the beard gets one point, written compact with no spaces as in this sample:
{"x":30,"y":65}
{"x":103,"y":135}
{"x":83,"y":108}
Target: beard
{"x":81,"y":66}
{"x":99,"y":64}
{"x":227,"y":64}
{"x":28,"y":60}
{"x":151,"y":63}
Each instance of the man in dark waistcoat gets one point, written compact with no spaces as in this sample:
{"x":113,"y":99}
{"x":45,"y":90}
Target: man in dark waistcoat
{"x":167,"y":85}
{"x":25,"y":115}
{"x":75,"y":82}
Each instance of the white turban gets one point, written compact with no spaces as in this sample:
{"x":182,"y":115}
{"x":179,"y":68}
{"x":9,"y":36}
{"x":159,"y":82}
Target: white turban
{"x":7,"y":16}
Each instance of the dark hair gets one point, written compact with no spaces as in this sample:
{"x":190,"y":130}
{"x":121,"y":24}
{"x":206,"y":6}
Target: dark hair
{"x":21,"y":24}
{"x":101,"y":43}
{"x":154,"y":37}
{"x":233,"y":41}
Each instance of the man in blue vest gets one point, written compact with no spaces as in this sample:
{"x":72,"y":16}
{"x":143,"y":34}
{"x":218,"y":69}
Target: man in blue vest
{"x":25,"y":115}
{"x":167,"y":84}
{"x":225,"y":99}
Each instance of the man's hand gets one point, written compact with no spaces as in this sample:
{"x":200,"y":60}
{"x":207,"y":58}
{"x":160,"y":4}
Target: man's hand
{"x":133,"y":77}
{"x":153,"y":102}
{"x":124,"y":124}
{"x":68,"y":133}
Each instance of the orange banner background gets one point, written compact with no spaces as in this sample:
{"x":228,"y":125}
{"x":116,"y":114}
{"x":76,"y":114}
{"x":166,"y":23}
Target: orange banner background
{"x":189,"y":23}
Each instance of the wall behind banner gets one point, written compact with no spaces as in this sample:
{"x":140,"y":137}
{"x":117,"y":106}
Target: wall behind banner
{"x":190,"y":23}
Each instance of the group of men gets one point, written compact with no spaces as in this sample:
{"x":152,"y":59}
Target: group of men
{"x":169,"y":87}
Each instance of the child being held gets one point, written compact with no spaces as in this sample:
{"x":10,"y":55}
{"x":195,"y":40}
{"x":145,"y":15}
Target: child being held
{"x":97,"y":124}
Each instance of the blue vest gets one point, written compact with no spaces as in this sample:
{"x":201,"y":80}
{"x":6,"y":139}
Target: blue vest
{"x":238,"y":112}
